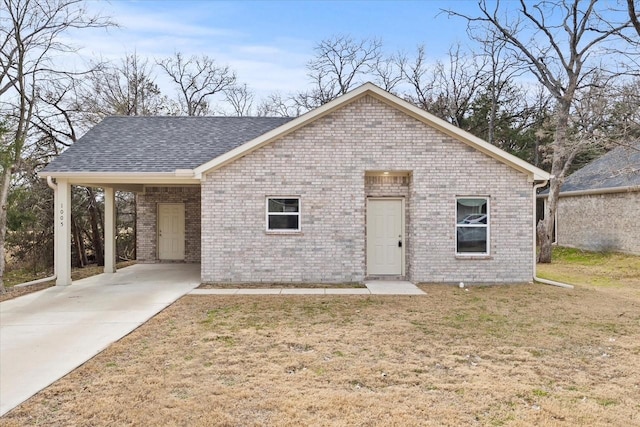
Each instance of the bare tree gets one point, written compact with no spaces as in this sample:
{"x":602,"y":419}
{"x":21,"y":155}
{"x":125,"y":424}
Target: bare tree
{"x":387,"y":72}
{"x":127,"y":89}
{"x":56,"y":117}
{"x":627,"y":111}
{"x":60,"y":116}
{"x":240,"y":98}
{"x":446,"y":89}
{"x":420,"y":77}
{"x":459,"y":82}
{"x":634,"y":14}
{"x":68,"y":107}
{"x":197,"y":78}
{"x":338,"y":64}
{"x":502,"y":69}
{"x":30,"y":35}
{"x":607,"y":114}
{"x":276,"y":105}
{"x":555,"y":40}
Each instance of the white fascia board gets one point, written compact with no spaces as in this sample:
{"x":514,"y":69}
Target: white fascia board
{"x":124,"y":177}
{"x":533,"y":172}
{"x":595,"y":191}
{"x":184,"y":173}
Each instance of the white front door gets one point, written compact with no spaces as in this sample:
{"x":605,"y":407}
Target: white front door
{"x":171,"y":231}
{"x":385,"y":243}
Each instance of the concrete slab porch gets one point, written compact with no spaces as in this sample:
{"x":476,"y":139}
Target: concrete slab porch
{"x":378,"y":287}
{"x":392,"y":287}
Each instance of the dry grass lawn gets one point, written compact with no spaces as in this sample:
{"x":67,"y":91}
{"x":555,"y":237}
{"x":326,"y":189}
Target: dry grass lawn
{"x":615,"y":271}
{"x":487,"y":356}
{"x":520,"y":355}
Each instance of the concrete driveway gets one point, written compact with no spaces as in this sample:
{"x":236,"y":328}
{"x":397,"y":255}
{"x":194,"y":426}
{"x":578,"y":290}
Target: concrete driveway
{"x":47,"y":334}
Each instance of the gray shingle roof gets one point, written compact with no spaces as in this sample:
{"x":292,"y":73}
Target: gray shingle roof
{"x":619,"y":167}
{"x":159,"y":144}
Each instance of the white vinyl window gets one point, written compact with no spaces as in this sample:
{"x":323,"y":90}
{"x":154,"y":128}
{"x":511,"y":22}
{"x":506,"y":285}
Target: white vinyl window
{"x":283,"y":214}
{"x":472,"y":226}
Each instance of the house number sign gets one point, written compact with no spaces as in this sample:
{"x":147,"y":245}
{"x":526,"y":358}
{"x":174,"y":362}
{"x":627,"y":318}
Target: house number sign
{"x":61,"y":215}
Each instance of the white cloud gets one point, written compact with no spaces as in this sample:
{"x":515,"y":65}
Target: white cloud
{"x":170,"y":25}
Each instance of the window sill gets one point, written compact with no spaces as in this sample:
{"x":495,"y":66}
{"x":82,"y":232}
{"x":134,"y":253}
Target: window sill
{"x":473,"y":257}
{"x":283,"y":233}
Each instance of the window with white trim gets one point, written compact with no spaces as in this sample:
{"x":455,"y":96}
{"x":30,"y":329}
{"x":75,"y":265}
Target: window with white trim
{"x":472,"y":226}
{"x":283,"y":214}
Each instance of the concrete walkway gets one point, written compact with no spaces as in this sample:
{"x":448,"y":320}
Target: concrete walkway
{"x":377,"y":287}
{"x":47,"y":334}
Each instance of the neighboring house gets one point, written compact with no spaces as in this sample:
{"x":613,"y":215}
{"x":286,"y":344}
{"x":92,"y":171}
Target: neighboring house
{"x":599,"y":205}
{"x":365,"y":186}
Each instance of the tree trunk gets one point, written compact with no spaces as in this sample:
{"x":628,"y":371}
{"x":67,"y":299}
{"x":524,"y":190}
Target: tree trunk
{"x":95,"y":229}
{"x":4,"y":194}
{"x":83,"y":248}
{"x":557,"y":178}
{"x":78,"y":243}
{"x":545,"y":232}
{"x":76,"y":260}
{"x":493,"y":113}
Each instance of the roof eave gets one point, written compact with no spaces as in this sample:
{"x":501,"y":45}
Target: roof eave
{"x":596,"y":191}
{"x":179,"y":176}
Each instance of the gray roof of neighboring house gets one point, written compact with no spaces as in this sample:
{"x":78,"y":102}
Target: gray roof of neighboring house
{"x":159,"y":144}
{"x":619,"y":167}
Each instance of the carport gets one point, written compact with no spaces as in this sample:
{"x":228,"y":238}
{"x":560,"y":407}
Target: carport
{"x":62,"y":202}
{"x":136,"y":153}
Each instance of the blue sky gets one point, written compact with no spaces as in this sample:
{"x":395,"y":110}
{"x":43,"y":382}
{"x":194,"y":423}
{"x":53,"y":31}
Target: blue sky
{"x":268,"y":43}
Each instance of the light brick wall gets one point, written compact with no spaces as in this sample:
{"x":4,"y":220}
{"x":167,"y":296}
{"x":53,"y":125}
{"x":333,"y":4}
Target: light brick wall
{"x":604,"y":222}
{"x":147,"y":220}
{"x":325,"y":164}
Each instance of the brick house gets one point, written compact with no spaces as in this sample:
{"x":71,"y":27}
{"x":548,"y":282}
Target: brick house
{"x":365,"y":186}
{"x":599,"y":204}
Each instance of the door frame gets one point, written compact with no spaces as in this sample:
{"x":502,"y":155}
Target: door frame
{"x":402,"y":233}
{"x":184,"y":230}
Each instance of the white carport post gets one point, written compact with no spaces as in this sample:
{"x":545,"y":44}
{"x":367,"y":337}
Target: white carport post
{"x":109,"y":230}
{"x":63,"y":232}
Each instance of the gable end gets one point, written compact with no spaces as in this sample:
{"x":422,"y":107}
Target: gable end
{"x":534,"y":173}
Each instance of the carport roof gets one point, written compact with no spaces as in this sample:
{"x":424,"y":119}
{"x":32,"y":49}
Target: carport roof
{"x":158,"y":144}
{"x":618,"y":168}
